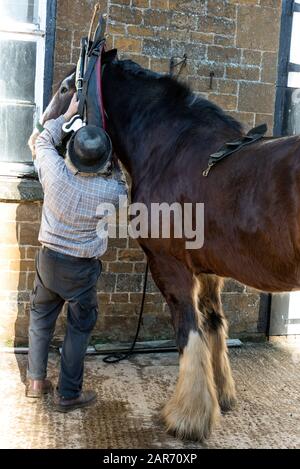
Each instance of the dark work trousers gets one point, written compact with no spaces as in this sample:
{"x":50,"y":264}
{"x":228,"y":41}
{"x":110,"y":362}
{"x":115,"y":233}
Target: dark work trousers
{"x":60,"y":278}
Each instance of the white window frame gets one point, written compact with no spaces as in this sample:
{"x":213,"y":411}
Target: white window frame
{"x":14,"y":30}
{"x":294,"y":67}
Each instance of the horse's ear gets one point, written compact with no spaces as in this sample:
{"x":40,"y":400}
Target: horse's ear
{"x":110,"y":56}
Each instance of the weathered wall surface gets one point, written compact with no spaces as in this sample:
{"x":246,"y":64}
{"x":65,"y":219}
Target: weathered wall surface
{"x":235,"y":39}
{"x":238,"y":41}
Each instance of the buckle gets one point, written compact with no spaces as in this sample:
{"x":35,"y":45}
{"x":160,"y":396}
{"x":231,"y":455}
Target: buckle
{"x":73,"y":125}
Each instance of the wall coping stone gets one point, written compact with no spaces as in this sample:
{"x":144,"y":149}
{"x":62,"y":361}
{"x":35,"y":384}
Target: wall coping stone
{"x":13,"y":189}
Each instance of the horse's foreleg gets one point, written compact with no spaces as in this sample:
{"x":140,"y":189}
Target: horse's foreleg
{"x":209,"y":300}
{"x":193,"y":409}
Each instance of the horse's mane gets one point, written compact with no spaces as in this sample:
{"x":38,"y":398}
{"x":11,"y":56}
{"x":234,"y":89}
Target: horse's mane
{"x":202,"y":110}
{"x":135,"y":69}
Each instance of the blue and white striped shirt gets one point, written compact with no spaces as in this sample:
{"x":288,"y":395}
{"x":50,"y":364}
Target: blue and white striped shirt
{"x":69,"y":217}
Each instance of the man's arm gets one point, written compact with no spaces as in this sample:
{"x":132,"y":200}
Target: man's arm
{"x":112,"y":189}
{"x":48,"y":162}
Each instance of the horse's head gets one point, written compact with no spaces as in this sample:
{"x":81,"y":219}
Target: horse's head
{"x":115,"y":97}
{"x":57,"y":106}
{"x":63,"y":95}
{"x":61,"y":99}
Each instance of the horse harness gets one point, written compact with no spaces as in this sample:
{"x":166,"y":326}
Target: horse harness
{"x":90,"y":59}
{"x":231,"y":147}
{"x":89,"y":76}
{"x":91,"y":54}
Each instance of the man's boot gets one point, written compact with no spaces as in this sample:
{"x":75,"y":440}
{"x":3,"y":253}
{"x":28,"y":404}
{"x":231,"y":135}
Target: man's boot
{"x":67,"y":405}
{"x":38,"y":387}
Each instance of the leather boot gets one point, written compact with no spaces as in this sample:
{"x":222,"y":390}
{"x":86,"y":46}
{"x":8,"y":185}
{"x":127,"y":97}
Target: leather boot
{"x":37,"y":387}
{"x":67,"y":405}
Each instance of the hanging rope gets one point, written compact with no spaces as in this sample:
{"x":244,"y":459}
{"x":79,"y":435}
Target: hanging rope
{"x":116,"y":357}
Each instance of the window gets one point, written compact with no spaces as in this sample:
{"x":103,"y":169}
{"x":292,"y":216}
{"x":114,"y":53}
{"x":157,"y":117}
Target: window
{"x":22,"y":59}
{"x":294,"y":60}
{"x":287,"y":108}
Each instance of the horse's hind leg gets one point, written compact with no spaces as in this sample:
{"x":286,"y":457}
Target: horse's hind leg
{"x":193,"y":409}
{"x":209,"y":300}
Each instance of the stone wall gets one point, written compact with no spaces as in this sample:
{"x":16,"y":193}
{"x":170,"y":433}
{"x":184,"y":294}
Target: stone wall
{"x":238,"y":41}
{"x":119,"y":286}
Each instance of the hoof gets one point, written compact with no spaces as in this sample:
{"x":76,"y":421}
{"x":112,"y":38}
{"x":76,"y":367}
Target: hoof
{"x":227,"y":403}
{"x":227,"y":398}
{"x":187,"y":424}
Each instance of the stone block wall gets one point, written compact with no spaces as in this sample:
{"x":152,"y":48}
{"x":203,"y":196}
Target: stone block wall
{"x":19,"y":228}
{"x":238,"y":42}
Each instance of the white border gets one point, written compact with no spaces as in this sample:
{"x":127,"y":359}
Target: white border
{"x":30,"y":32}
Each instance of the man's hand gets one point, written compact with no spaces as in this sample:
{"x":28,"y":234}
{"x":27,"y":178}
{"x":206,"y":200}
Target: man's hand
{"x":31,"y":141}
{"x":73,"y":108}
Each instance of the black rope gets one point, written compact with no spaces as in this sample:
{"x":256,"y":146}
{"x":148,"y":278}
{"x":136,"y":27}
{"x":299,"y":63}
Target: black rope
{"x":116,"y":357}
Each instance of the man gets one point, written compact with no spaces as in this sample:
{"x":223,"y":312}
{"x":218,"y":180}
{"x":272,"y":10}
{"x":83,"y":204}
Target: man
{"x":68,"y":264}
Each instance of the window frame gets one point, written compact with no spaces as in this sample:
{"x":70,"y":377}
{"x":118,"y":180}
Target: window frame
{"x":284,"y":65}
{"x":44,"y":36}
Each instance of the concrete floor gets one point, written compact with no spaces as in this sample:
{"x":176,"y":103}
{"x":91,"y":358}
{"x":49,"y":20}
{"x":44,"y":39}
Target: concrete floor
{"x":130,"y":394}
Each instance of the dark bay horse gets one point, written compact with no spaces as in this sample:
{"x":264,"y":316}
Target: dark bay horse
{"x":164,"y":134}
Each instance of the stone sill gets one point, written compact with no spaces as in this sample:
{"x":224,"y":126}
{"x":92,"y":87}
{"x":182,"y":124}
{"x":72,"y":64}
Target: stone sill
{"x":13,"y":189}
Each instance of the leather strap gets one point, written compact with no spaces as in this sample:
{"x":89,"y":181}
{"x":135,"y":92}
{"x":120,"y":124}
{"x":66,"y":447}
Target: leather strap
{"x":87,"y":76}
{"x":231,"y":147}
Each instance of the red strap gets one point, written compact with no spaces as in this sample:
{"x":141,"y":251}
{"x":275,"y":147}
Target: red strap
{"x":99,"y":88}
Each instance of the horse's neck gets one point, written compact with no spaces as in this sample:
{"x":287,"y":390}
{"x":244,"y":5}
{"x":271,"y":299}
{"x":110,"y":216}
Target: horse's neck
{"x":122,"y":121}
{"x":136,"y":134}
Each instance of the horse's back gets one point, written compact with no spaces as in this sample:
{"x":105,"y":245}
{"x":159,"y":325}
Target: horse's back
{"x":251,"y":212}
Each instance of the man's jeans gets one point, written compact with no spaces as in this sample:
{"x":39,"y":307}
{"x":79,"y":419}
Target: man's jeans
{"x":60,"y":278}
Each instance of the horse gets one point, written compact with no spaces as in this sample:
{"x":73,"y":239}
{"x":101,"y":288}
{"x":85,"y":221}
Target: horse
{"x":164,"y":134}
